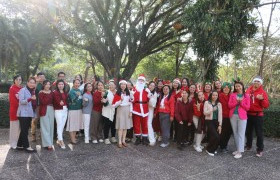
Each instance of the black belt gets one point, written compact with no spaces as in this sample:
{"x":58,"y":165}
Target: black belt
{"x":140,"y":102}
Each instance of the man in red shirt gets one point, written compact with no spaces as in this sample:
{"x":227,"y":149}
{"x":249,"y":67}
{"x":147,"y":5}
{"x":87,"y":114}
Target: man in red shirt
{"x":259,"y":102}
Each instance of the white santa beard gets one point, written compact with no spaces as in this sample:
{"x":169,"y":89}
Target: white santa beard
{"x":139,"y":86}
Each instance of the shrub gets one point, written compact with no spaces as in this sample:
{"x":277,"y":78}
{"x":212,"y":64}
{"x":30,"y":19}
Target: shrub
{"x":4,"y":87}
{"x":4,"y":110}
{"x":272,"y":121}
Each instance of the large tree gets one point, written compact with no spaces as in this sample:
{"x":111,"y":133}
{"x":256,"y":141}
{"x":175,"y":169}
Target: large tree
{"x":118,"y":33}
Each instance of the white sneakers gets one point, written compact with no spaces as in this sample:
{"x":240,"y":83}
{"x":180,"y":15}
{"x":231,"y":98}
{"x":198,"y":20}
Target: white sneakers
{"x":101,"y":140}
{"x":234,"y":153}
{"x":163,"y":145}
{"x":86,"y":141}
{"x":107,"y":141}
{"x":94,"y":141}
{"x":113,"y":140}
{"x":210,"y":154}
{"x":152,"y":143}
{"x":237,"y":156}
{"x":197,"y":148}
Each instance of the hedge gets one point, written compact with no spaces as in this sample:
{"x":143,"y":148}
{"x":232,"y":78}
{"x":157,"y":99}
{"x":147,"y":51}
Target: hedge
{"x":271,"y":118}
{"x":4,"y":87}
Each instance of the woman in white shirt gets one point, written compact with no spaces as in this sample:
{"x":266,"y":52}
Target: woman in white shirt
{"x":108,"y":113}
{"x":152,"y":105}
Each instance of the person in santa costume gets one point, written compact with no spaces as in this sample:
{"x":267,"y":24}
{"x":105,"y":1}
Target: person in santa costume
{"x":140,"y":111}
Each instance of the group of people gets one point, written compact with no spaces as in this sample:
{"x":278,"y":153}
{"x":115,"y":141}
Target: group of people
{"x":163,"y":111}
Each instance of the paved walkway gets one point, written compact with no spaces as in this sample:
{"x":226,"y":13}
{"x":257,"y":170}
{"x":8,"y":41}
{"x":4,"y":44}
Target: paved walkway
{"x":91,"y":161}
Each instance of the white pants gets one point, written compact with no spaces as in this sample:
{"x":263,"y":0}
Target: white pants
{"x":198,"y":137}
{"x":61,"y":117}
{"x":14,"y":133}
{"x":86,"y":121}
{"x":151,"y":133}
{"x":238,"y":127}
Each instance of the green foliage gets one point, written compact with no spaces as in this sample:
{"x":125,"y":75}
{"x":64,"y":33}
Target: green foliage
{"x":4,"y":87}
{"x":272,"y":121}
{"x":217,"y":27}
{"x":4,"y":110}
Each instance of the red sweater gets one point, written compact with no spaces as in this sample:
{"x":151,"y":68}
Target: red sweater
{"x":13,"y":98}
{"x":186,"y":88}
{"x":45,"y":100}
{"x":97,"y":104}
{"x":223,"y":98}
{"x":197,"y":112}
{"x":206,"y":96}
{"x":257,"y":106}
{"x":57,"y":97}
{"x":176,"y":96}
{"x":183,"y":111}
{"x":168,"y":106}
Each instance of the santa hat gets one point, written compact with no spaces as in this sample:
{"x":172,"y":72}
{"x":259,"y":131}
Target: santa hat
{"x":142,"y":77}
{"x":258,"y":78}
{"x":122,"y":82}
{"x":177,"y":80}
{"x":112,"y":80}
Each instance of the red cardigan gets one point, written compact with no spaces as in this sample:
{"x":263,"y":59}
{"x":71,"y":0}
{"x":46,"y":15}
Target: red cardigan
{"x":13,"y":98}
{"x":97,"y":104}
{"x":45,"y":100}
{"x":256,"y":105}
{"x":57,"y":97}
{"x":168,"y":106}
{"x":184,"y":112}
{"x":176,"y":96}
{"x":224,"y":99}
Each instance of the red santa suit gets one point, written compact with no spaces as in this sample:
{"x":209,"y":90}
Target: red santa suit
{"x":140,"y":111}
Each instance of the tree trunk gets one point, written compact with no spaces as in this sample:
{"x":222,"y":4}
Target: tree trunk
{"x":265,"y":41}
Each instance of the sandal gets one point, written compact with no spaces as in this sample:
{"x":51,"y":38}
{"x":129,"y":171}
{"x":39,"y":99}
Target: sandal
{"x":120,"y":146}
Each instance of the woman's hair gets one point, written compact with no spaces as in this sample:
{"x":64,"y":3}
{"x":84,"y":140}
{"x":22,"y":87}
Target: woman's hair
{"x":215,"y":88}
{"x":31,"y":78}
{"x":194,"y":89}
{"x":45,"y":82}
{"x":210,"y":97}
{"x":81,"y":78}
{"x":59,"y":81}
{"x":76,"y":80}
{"x":196,"y":96}
{"x":119,"y":91}
{"x":170,"y":93}
{"x":226,"y":84}
{"x":188,"y":82}
{"x":179,"y":86}
{"x":241,"y":83}
{"x":153,"y":92}
{"x":85,"y":87}
{"x":15,"y":77}
{"x":207,"y":83}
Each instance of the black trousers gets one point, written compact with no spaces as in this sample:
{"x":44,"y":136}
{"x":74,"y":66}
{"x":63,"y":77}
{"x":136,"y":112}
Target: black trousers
{"x":174,"y":129}
{"x":226,"y":133}
{"x":214,"y":138}
{"x":109,"y":125}
{"x":25,"y":123}
{"x":255,"y":122}
{"x":181,"y":133}
{"x":189,"y":135}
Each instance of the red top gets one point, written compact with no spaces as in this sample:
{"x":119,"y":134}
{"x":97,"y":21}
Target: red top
{"x":197,"y":112}
{"x":168,"y":106}
{"x":186,"y":88}
{"x":57,"y":98}
{"x":256,"y":105}
{"x":177,"y":95}
{"x":13,"y":98}
{"x":183,"y":111}
{"x":206,"y":96}
{"x":223,"y":98}
{"x":97,"y":104}
{"x":45,"y":100}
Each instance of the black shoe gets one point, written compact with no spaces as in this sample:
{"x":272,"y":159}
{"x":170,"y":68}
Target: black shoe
{"x":224,"y":150}
{"x":138,"y":140}
{"x":145,"y":141}
{"x":19,"y":148}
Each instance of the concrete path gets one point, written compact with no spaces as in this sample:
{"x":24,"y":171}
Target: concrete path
{"x":100,"y":161}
